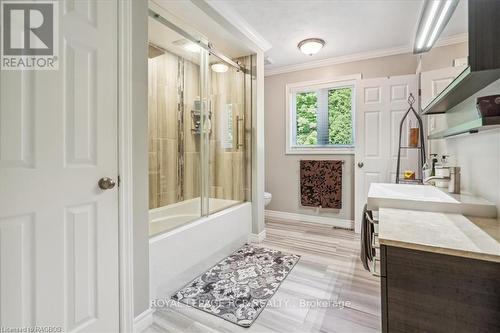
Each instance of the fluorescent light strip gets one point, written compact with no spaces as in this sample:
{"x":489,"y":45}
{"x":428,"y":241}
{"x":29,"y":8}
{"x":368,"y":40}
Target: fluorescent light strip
{"x":427,"y":24}
{"x":440,"y":21}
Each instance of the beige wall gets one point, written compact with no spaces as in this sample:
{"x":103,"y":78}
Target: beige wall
{"x":282,"y":171}
{"x":441,"y":57}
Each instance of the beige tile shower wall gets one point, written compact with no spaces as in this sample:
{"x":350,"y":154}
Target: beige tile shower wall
{"x":228,"y":166}
{"x":191,"y":179}
{"x":152,"y":134}
{"x":163,"y":133}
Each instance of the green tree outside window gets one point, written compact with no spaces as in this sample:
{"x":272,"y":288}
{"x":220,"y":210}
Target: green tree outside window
{"x":307,"y":121}
{"x":339,"y":117}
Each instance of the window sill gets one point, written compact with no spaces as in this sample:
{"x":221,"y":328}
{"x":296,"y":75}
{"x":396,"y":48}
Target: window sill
{"x":320,"y":151}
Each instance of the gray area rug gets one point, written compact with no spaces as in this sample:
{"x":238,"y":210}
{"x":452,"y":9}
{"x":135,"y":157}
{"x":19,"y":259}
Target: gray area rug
{"x":238,"y":288}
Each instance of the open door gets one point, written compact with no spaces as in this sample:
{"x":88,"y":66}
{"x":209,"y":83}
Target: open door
{"x":58,"y":213}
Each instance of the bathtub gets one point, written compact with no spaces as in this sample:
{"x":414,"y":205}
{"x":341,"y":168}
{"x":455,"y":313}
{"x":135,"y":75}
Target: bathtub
{"x":175,"y":215}
{"x":177,"y":255}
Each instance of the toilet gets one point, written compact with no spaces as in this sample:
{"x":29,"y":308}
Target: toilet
{"x":267,"y":198}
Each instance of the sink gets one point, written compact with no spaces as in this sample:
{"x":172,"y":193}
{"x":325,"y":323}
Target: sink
{"x":409,"y":192}
{"x":427,"y":198}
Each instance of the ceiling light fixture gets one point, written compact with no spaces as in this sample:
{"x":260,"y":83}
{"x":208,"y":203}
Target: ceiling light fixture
{"x":311,"y":46}
{"x":219,"y":68}
{"x":434,"y":17}
{"x":192,"y":47}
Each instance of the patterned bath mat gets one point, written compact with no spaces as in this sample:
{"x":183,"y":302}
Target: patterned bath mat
{"x":238,"y":288}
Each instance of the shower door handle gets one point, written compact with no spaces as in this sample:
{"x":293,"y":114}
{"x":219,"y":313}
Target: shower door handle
{"x":239,"y":120}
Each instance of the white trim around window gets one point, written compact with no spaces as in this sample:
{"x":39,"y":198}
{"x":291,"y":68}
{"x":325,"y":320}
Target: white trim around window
{"x":291,"y":89}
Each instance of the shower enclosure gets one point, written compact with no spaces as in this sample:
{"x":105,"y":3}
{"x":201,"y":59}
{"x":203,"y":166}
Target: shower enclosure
{"x":200,"y":104}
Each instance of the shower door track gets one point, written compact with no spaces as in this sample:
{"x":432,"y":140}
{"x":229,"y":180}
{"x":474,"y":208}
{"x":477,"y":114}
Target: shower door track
{"x":207,"y":46}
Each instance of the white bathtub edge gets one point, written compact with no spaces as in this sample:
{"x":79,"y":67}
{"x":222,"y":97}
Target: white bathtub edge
{"x":195,"y":223}
{"x":178,"y":256}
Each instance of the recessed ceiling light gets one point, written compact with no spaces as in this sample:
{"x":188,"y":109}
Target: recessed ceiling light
{"x":311,"y":46}
{"x":219,"y":68}
{"x":192,"y":47}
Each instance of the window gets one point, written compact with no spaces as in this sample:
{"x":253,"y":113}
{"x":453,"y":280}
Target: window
{"x":320,"y":118}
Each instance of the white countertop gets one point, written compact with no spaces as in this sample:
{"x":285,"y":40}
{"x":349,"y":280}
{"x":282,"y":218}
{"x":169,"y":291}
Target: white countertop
{"x":429,"y":199}
{"x":445,"y":233}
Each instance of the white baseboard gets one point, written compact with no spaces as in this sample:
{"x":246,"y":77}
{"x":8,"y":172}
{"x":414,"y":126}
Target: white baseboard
{"x":257,"y":238}
{"x":143,"y":321}
{"x":332,"y":221}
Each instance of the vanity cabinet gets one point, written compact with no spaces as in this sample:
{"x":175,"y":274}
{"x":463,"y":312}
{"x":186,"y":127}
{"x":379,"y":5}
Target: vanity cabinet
{"x":431,"y":292}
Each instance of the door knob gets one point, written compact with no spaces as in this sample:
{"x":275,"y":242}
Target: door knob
{"x":106,"y":183}
{"x":360,"y":164}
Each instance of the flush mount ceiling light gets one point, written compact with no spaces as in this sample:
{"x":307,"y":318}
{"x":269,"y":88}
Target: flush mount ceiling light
{"x":187,"y":45}
{"x":311,"y":46}
{"x":192,"y":47}
{"x":434,"y":17}
{"x":219,"y":68}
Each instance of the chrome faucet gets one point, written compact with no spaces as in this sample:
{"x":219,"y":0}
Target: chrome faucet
{"x":453,"y":180}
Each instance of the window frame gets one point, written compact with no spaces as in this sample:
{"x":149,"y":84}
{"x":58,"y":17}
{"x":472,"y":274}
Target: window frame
{"x":291,"y":114}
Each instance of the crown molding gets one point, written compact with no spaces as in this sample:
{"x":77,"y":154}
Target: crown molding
{"x":449,"y":40}
{"x":226,"y":16}
{"x":455,"y":39}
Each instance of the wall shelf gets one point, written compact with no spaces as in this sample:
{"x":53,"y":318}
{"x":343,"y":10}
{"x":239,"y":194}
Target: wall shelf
{"x":465,"y":85}
{"x":474,"y":126}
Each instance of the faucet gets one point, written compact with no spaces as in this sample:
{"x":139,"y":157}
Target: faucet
{"x":454,"y":180}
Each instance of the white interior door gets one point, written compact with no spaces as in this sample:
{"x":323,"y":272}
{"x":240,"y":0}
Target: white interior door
{"x":58,"y":137}
{"x":431,"y":84}
{"x":380,"y":105}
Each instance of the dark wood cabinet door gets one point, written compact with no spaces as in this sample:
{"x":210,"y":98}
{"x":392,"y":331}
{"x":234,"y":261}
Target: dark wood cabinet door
{"x":428,"y":292}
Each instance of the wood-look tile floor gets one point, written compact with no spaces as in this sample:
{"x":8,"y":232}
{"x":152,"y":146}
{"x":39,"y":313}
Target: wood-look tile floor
{"x":327,"y":291}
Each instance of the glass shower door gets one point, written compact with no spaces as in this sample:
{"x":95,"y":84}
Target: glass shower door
{"x":175,"y":113}
{"x":199,"y":127}
{"x":229,"y":137}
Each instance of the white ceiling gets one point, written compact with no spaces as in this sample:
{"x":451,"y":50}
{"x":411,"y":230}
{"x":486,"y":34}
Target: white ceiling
{"x":348,"y":27}
{"x":190,"y":18}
